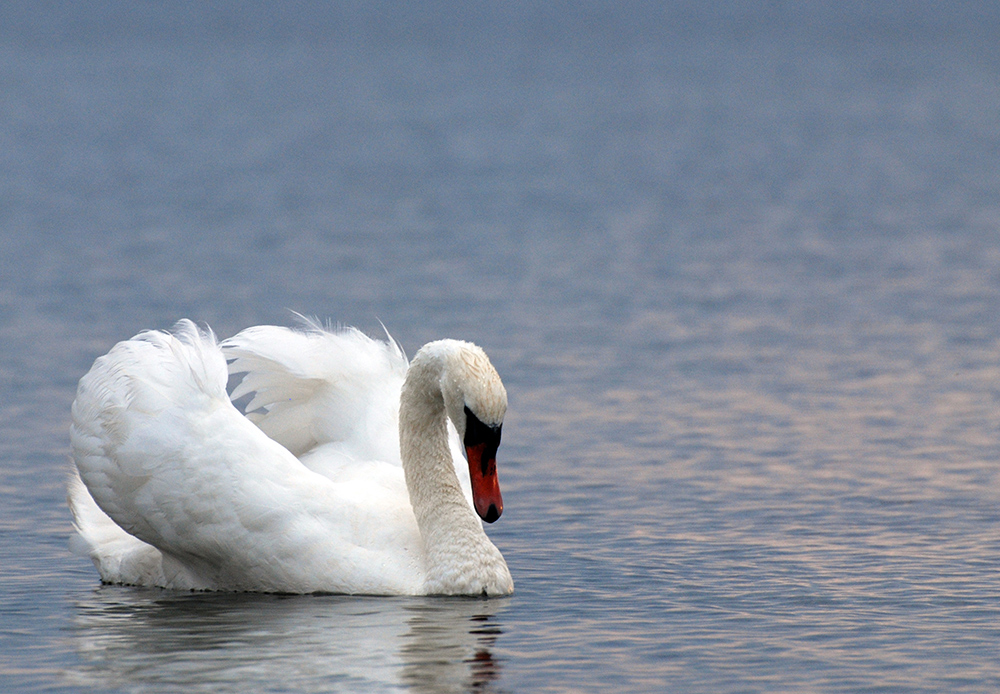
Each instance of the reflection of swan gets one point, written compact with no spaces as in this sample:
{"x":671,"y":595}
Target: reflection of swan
{"x":202,"y":498}
{"x":431,"y":641}
{"x":143,"y":640}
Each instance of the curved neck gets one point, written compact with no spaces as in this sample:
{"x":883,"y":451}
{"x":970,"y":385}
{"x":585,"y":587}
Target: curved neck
{"x":461,"y":558}
{"x":423,"y":443}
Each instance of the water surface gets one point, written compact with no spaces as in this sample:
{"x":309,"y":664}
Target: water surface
{"x":737,"y":267}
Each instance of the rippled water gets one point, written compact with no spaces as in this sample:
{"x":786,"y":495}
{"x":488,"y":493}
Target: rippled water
{"x":738,"y":268}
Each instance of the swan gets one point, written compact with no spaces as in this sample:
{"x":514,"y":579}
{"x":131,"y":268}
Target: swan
{"x":343,"y":473}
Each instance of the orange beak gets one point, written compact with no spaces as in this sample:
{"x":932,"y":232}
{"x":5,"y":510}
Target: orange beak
{"x":485,"y":486}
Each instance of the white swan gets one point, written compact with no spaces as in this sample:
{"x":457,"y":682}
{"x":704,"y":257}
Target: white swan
{"x":345,"y":476}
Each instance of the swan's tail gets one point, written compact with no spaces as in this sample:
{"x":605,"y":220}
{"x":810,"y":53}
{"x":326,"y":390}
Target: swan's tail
{"x":119,"y":557}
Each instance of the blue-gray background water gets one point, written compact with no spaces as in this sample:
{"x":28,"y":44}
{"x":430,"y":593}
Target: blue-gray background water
{"x":738,"y":264}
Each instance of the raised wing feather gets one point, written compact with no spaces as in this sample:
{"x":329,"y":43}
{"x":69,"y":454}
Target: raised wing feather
{"x":315,"y":388}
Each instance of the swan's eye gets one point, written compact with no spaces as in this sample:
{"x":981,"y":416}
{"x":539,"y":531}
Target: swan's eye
{"x":479,"y":434}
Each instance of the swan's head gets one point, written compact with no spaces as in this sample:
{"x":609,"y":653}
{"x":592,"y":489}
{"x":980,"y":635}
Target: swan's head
{"x":476,"y":402}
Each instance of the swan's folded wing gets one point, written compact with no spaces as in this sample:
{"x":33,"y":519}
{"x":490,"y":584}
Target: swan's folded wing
{"x":166,"y":456}
{"x":313,"y":388}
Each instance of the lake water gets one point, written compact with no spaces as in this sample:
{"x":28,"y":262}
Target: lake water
{"x":739,"y":267}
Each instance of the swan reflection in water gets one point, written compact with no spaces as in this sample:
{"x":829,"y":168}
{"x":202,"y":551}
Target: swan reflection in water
{"x":148,"y":638}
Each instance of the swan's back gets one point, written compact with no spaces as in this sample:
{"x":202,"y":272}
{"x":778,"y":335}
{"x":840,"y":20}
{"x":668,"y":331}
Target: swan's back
{"x":209,"y":500}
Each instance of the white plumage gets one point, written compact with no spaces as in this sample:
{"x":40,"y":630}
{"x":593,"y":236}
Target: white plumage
{"x":308,"y":492}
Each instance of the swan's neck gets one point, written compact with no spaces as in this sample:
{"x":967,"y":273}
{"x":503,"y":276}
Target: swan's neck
{"x":461,"y":558}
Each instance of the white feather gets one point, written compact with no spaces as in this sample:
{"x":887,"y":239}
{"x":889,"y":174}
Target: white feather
{"x":178,"y":488}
